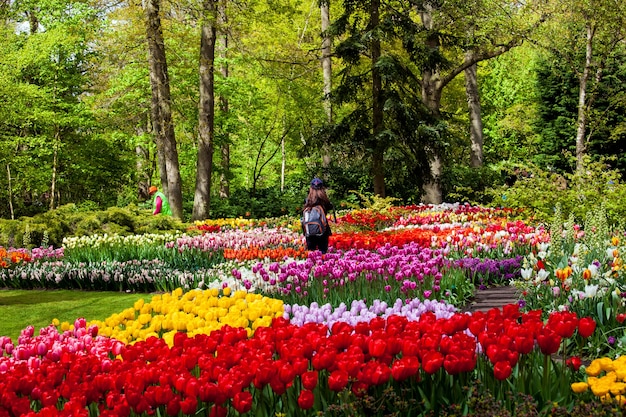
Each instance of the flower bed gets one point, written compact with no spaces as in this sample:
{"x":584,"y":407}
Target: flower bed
{"x":250,"y":323}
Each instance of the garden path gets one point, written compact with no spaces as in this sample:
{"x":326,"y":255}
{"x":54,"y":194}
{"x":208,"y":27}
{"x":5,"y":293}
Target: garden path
{"x":491,"y":297}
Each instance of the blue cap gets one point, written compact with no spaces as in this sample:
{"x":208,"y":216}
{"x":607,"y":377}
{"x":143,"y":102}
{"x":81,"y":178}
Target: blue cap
{"x":317,"y":183}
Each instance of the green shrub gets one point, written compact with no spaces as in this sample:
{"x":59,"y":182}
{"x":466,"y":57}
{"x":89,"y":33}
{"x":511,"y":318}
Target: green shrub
{"x":467,"y":185}
{"x":578,"y":193}
{"x":155,"y":224}
{"x":88,"y":225}
{"x":66,"y":221}
{"x":123,"y":218}
{"x":9,"y":232}
{"x":268,"y":202}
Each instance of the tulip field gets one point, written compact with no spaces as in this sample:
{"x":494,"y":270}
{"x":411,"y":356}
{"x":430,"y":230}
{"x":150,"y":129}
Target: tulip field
{"x":244,"y":321}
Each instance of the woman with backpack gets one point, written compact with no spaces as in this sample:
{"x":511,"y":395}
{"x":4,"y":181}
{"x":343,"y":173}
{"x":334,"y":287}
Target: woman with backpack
{"x":314,"y":222}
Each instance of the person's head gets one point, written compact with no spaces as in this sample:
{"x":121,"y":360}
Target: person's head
{"x":317,"y":193}
{"x":317,"y":184}
{"x":152,"y":190}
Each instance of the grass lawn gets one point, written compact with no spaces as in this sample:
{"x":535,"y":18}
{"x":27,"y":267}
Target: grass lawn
{"x":21,"y":308}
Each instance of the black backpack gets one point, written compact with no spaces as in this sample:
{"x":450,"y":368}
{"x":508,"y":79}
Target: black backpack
{"x":314,"y":222}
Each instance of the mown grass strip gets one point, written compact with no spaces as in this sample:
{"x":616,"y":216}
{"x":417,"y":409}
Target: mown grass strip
{"x":21,"y":308}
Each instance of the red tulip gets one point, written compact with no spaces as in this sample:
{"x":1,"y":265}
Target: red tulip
{"x":191,"y":388}
{"x":341,"y":327}
{"x":309,"y":379}
{"x":453,"y":364}
{"x":497,"y":353}
{"x":263,"y":375}
{"x":487,"y":338}
{"x":511,"y":311}
{"x":548,"y":341}
{"x":189,"y":405}
{"x":306,"y":399}
{"x":375,"y":373}
{"x":430,"y":341}
{"x":49,"y":398}
{"x":566,"y":328}
{"x":173,"y":407}
{"x":467,"y":361}
{"x":208,"y":392}
{"x":532,"y":316}
{"x":574,"y":362}
{"x":432,"y":361}
{"x":278,"y":386}
{"x":242,"y":402}
{"x":410,"y":347}
{"x":455,"y":324}
{"x":502,"y":370}
{"x":337,"y":380}
{"x":377,"y":347}
{"x":218,"y":411}
{"x":477,"y":325}
{"x":324,"y":359}
{"x":586,"y":327}
{"x":404,"y":368}
{"x":620,"y":318}
{"x":286,"y":373}
{"x":359,"y":388}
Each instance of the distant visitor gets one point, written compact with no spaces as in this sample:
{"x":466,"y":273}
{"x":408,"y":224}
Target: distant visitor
{"x":314,"y":222}
{"x":160,"y":205}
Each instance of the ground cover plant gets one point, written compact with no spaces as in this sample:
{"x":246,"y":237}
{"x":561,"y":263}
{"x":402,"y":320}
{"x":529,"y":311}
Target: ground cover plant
{"x":244,"y":322}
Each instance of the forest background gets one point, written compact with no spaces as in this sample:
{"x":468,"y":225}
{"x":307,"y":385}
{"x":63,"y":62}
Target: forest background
{"x":232,"y":106}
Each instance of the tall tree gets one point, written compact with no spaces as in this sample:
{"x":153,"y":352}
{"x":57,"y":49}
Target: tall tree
{"x":476,"y":121}
{"x":378,"y":156}
{"x":206,"y":111}
{"x":223,"y":99}
{"x":502,"y":28}
{"x":604,"y":27}
{"x":45,"y":89}
{"x":379,"y":117}
{"x":327,"y":73}
{"x":163,"y":125}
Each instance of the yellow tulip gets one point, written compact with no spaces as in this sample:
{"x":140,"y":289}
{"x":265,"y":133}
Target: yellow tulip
{"x":600,"y":389}
{"x":138,"y":304}
{"x":606,"y":364}
{"x":594,"y":368}
{"x":618,"y":388}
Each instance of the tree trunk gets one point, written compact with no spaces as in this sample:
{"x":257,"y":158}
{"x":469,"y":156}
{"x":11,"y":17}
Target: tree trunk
{"x":224,"y":105}
{"x":33,"y":21}
{"x":327,"y":74}
{"x":431,"y":96}
{"x":378,"y":168}
{"x":283,"y":164}
{"x":206,"y":112}
{"x":10,"y":189}
{"x":156,"y":132}
{"x":162,"y":108}
{"x":55,"y":162}
{"x":144,"y":167}
{"x":476,"y":123}
{"x":433,"y":83}
{"x":581,"y":122}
